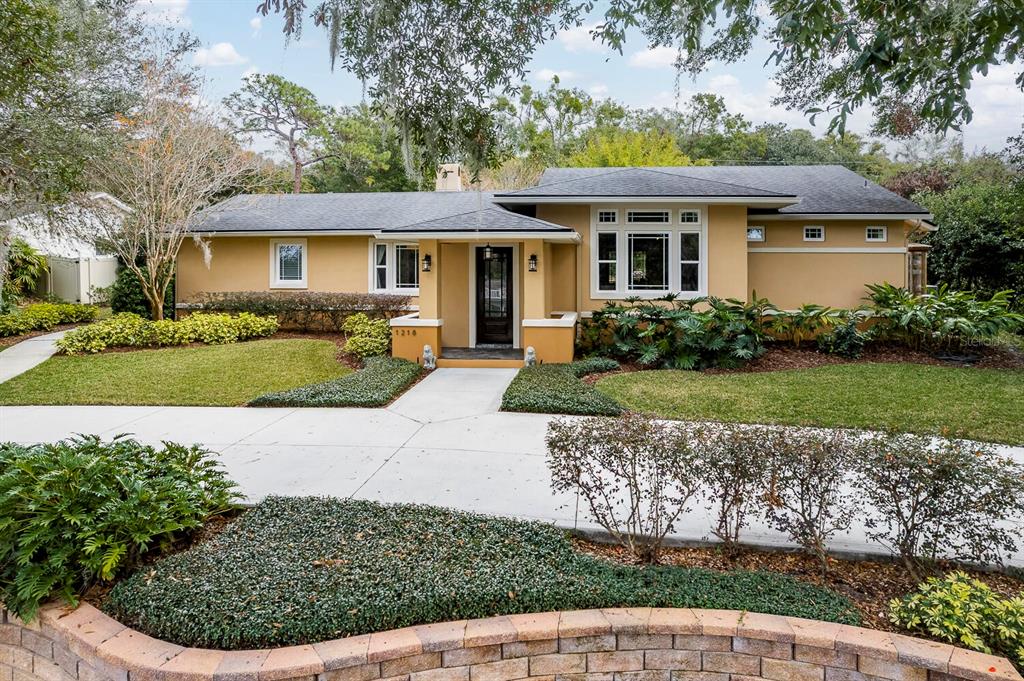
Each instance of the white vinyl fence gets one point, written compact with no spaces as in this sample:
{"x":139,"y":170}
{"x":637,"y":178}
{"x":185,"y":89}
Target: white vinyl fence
{"x":73,"y":279}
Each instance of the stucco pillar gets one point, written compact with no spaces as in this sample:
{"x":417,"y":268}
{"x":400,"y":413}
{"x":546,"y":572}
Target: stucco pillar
{"x":534,"y":283}
{"x":430,"y":282}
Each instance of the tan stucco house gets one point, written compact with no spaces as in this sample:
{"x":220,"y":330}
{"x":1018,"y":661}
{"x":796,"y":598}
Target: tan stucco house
{"x":493,"y":273}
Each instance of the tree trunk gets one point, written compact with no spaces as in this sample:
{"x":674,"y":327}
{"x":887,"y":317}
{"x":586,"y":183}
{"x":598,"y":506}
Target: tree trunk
{"x":5,"y":242}
{"x":156,"y":306}
{"x":297,"y":179}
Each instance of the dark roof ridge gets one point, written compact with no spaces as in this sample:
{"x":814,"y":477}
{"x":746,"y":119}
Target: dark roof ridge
{"x":493,"y":207}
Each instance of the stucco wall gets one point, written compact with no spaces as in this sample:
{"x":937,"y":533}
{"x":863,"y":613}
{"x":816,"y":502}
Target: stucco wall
{"x":455,"y":295}
{"x":832,"y":279}
{"x":636,"y":644}
{"x":727,"y":251}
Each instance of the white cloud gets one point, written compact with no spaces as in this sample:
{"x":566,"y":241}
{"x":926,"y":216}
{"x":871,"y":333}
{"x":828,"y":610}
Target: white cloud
{"x":997,"y":102}
{"x":654,"y":58}
{"x":220,"y":54}
{"x":545,"y":75}
{"x":579,"y":39}
{"x":164,"y":12}
{"x":598,"y":90}
{"x":256,"y":24}
{"x":726,"y":80}
{"x":251,"y":71}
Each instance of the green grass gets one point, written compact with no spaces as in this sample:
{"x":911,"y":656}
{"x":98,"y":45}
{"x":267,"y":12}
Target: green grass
{"x":983,"y":404}
{"x":212,"y":375}
{"x":302,"y":569}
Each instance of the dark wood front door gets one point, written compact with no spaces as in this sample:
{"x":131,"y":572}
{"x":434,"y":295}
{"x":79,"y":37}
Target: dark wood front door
{"x":494,"y":296}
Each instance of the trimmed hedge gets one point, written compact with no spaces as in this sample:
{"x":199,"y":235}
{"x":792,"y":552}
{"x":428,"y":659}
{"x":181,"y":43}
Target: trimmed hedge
{"x":298,"y":570}
{"x":45,"y":316}
{"x":376,"y":384}
{"x":557,"y":389}
{"x":127,"y":330}
{"x":305,"y":310}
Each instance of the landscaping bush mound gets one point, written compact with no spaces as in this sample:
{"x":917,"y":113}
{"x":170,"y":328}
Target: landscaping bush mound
{"x":367,"y":337}
{"x":126,"y":295}
{"x":132,"y":331}
{"x":298,"y":570}
{"x":375,"y":385}
{"x":305,"y":310}
{"x":45,"y":316}
{"x":557,"y":389}
{"x":82,"y":511}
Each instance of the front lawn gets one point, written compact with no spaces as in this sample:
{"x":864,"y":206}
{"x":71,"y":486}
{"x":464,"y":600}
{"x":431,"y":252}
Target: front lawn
{"x":212,"y":375}
{"x":302,"y":569}
{"x":983,"y":404}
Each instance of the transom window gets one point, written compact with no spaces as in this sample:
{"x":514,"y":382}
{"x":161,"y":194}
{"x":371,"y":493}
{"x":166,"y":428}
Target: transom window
{"x":875,"y":234}
{"x":608,"y":217}
{"x":814,"y":233}
{"x":689,"y":217}
{"x":395,"y":267}
{"x":648,"y":261}
{"x":755,"y":233}
{"x":648,"y":216}
{"x":288,"y":264}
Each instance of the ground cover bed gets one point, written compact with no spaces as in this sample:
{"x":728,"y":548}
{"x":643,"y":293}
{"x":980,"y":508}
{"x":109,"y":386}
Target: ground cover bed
{"x":295,"y":570}
{"x":380,"y":381}
{"x":558,"y":389}
{"x":981,"y":404}
{"x":213,"y":375}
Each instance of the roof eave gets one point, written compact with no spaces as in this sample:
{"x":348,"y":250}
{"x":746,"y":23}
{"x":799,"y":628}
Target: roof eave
{"x":841,"y":216}
{"x":763,"y":201}
{"x":567,"y":235}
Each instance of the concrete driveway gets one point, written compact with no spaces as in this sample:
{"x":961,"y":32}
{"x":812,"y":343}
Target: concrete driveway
{"x":444,"y":443}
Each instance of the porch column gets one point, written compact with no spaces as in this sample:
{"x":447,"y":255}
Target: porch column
{"x":534,"y":283}
{"x":430,"y":282}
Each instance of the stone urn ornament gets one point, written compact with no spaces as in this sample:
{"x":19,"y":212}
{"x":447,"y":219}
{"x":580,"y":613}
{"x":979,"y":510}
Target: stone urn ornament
{"x":429,"y":361}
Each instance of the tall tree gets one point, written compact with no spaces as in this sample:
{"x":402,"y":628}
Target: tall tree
{"x":170,"y":161}
{"x":629,"y":148}
{"x":272,"y":106}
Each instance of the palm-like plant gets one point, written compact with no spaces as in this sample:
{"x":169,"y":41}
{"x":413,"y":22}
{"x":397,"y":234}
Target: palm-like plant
{"x":804,"y":322}
{"x":25,"y":266}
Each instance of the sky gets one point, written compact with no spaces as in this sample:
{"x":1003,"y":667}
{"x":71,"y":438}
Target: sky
{"x":236,"y":41}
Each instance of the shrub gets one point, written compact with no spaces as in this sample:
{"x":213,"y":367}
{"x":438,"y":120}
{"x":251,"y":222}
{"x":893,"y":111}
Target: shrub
{"x":305,"y":310}
{"x":375,"y":385}
{"x":673,"y":333}
{"x":126,"y":295}
{"x":736,"y":476}
{"x":367,"y":337}
{"x":130,"y":330}
{"x":943,"y":320}
{"x":44,"y":316}
{"x":81,"y":511}
{"x":967,"y":613}
{"x":845,"y":339}
{"x":25,"y":266}
{"x":803,"y":323}
{"x":930,"y":497}
{"x":636,"y":474}
{"x":592,"y":365}
{"x":809,"y":496}
{"x":314,"y":566}
{"x":556,"y":389}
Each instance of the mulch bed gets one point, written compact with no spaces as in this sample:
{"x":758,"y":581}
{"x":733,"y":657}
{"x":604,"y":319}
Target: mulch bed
{"x":8,"y":341}
{"x":870,"y":585}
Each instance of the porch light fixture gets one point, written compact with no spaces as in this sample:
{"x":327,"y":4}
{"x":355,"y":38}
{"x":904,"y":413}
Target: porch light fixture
{"x":426,"y":263}
{"x":533,"y":262}
{"x":488,"y":252}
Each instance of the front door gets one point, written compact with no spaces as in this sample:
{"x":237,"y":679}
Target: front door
{"x":494,"y":296}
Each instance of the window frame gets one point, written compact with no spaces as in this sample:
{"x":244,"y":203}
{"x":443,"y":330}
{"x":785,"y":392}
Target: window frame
{"x":390,"y":267}
{"x":885,"y":234}
{"x":818,"y":239}
{"x":696,"y":211}
{"x":275,"y":264}
{"x":664,"y":235}
{"x":615,"y":216}
{"x":598,"y":261}
{"x":664,"y":211}
{"x":680,"y":261}
{"x":764,"y":234}
{"x":415,"y":266}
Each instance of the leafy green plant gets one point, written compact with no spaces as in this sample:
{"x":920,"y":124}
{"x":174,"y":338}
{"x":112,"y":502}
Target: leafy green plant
{"x":314,"y":566}
{"x":936,"y":497}
{"x":557,"y":389}
{"x":44,"y":316}
{"x":941,"y":320}
{"x":675,"y":333}
{"x":25,"y":267}
{"x":845,"y":338}
{"x":126,"y":295}
{"x":83,"y":511}
{"x":367,"y":337}
{"x":304,"y":310}
{"x":966,"y":612}
{"x":132,"y":331}
{"x":376,"y":384}
{"x":803,"y":323}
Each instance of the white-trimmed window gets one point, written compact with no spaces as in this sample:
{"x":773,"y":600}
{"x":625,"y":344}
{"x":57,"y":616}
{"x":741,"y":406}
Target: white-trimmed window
{"x":689,"y":262}
{"x":876,"y":233}
{"x":608,"y":217}
{"x":648,"y":261}
{"x":755,"y":233}
{"x":288,"y":263}
{"x":689,"y":216}
{"x":607,"y":260}
{"x":814,"y":233}
{"x":394,"y":267}
{"x":648,"y":217}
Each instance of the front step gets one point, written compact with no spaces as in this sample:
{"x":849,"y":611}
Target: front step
{"x":481,"y":363}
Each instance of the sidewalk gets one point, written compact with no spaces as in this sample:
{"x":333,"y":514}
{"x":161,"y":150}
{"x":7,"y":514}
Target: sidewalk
{"x":442,"y":443}
{"x":22,"y":356}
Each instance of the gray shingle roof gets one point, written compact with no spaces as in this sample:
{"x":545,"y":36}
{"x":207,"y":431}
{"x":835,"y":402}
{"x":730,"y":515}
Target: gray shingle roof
{"x":370,"y":211}
{"x":627,"y":182}
{"x":492,"y":219}
{"x":822,"y":189}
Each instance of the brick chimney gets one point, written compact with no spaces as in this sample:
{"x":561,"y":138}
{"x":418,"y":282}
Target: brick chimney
{"x":449,"y":178}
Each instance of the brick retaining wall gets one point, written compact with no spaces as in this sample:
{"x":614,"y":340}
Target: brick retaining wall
{"x":633,"y":644}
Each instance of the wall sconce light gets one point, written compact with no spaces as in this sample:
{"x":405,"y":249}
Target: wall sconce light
{"x":426,"y":262}
{"x":533,"y":263}
{"x":488,"y":252}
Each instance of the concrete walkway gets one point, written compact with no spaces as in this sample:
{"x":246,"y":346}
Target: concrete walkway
{"x":442,"y":443}
{"x":22,"y":356}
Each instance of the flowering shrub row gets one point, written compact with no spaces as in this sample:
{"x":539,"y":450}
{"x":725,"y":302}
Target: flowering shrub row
{"x":130,"y":330}
{"x":45,"y":316}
